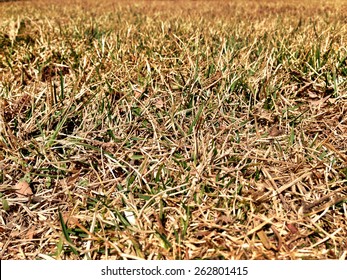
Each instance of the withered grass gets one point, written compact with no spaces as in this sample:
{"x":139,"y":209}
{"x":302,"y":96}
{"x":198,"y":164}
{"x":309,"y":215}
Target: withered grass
{"x":173,"y":130}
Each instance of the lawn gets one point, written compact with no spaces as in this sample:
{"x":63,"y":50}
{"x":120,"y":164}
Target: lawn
{"x":173,"y":130}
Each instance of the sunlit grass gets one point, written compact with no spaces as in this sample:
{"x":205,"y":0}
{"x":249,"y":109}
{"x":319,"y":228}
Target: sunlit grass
{"x":173,"y":130}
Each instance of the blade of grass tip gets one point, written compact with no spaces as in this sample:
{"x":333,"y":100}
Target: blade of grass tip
{"x":60,"y":247}
{"x":335,"y":83}
{"x":59,"y":126}
{"x":161,"y":210}
{"x":166,"y":243}
{"x":314,"y":140}
{"x":5,"y":205}
{"x":296,"y":118}
{"x":62,"y":95}
{"x":65,"y":232}
{"x":123,"y":220}
{"x":195,"y":119}
{"x":292,"y":137}
{"x":158,"y":175}
{"x":185,"y":221}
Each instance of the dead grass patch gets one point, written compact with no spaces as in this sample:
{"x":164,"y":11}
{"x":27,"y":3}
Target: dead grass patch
{"x":157,"y":130}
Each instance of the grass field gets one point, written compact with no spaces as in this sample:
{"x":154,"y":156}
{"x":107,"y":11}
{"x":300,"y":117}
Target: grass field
{"x":173,"y":130}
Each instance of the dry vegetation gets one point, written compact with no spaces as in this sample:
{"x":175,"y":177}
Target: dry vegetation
{"x":169,"y":130}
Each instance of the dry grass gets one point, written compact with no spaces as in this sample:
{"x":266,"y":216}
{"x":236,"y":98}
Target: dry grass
{"x":165,"y":130}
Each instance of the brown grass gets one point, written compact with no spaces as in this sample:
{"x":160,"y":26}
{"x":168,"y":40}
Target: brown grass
{"x":173,"y":130}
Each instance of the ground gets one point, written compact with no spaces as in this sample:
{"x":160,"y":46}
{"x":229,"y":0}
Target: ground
{"x":173,"y":130}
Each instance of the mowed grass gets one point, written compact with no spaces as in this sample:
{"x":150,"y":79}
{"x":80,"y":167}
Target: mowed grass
{"x":173,"y":130}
